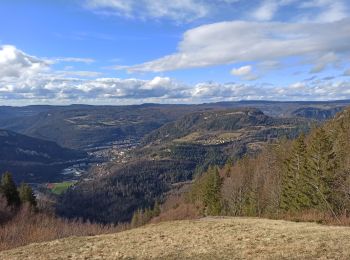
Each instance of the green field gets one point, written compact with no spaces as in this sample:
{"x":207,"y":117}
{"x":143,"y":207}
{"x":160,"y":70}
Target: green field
{"x":59,"y":188}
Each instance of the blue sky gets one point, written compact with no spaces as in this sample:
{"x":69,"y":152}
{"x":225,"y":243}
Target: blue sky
{"x":180,"y":51}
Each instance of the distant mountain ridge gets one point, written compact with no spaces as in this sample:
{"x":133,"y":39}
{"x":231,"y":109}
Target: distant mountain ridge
{"x":85,"y":126}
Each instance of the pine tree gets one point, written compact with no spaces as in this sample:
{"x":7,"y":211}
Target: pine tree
{"x":296,"y":191}
{"x":212,"y":193}
{"x":322,"y":165}
{"x":9,"y":190}
{"x":26,"y":195}
{"x":339,"y":136}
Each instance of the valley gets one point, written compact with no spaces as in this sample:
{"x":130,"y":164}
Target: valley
{"x":151,"y":146}
{"x":186,"y":129}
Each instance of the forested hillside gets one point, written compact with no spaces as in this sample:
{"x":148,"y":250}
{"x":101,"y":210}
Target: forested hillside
{"x":33,"y":160}
{"x":114,"y":198}
{"x":173,"y":154}
{"x":213,"y":137}
{"x":310,"y":176}
{"x":222,"y":120}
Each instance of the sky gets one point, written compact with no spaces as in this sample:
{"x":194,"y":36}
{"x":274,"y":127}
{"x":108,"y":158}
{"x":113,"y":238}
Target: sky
{"x":118,"y":52}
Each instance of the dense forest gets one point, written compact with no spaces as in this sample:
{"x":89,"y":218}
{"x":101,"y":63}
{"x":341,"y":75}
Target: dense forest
{"x":307,"y":176}
{"x":114,"y":198}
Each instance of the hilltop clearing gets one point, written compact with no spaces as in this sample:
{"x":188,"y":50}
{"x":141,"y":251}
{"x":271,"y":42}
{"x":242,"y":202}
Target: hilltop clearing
{"x":209,"y":238}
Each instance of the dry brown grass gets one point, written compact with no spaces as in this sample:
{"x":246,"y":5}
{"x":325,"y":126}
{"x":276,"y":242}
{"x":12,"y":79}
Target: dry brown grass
{"x":209,"y":238}
{"x":175,"y":206}
{"x":27,"y":227}
{"x":181,"y":212}
{"x":325,"y":218}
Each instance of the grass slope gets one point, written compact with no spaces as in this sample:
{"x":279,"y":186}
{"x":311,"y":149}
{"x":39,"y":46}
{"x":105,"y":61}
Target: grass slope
{"x":209,"y":238}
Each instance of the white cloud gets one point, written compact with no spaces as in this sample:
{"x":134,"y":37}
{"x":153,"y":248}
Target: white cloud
{"x":266,"y":11}
{"x":320,"y":63}
{"x":15,"y":63}
{"x":56,"y":87}
{"x":245,"y":72}
{"x":178,"y":10}
{"x":122,"y":5}
{"x":23,"y":76}
{"x":313,"y":90}
{"x":25,"y":83}
{"x":242,"y":71}
{"x":53,"y":89}
{"x":330,"y":10}
{"x":239,"y":41}
{"x":181,"y":11}
{"x":347,"y":72}
{"x":73,"y":59}
{"x":79,"y":73}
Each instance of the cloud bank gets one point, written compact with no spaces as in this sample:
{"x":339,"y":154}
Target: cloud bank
{"x":320,"y":44}
{"x":179,"y":10}
{"x":25,"y":78}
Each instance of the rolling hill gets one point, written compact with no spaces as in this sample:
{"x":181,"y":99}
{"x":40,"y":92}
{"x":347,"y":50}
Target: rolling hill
{"x":85,"y":126}
{"x":205,"y":124}
{"x":209,"y":238}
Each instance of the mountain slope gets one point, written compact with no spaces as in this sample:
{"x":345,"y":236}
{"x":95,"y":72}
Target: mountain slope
{"x":31,"y":159}
{"x":219,"y":238}
{"x":172,"y":154}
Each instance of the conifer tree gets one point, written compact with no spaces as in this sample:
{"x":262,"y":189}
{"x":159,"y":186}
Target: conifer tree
{"x":9,"y":190}
{"x":296,"y":191}
{"x":322,"y":167}
{"x":26,"y":195}
{"x":212,"y":193}
{"x":339,"y":136}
